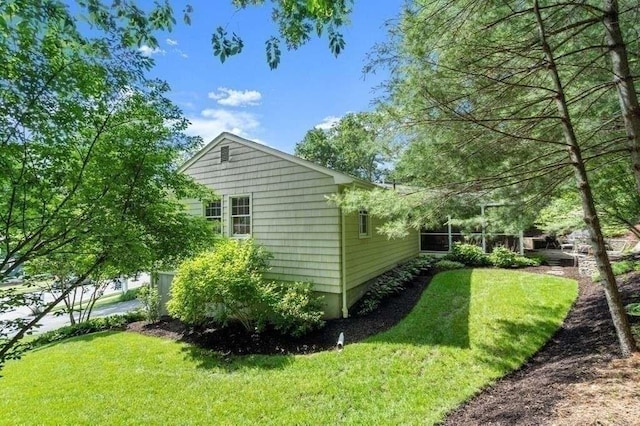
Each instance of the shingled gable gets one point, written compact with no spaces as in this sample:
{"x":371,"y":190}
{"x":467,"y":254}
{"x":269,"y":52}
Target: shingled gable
{"x":338,"y":178}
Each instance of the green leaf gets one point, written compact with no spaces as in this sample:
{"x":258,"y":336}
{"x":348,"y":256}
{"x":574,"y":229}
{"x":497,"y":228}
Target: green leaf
{"x":273,"y":52}
{"x":336,"y":43}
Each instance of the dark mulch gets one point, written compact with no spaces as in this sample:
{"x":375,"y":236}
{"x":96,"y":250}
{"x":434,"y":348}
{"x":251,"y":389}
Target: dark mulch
{"x":236,"y":340}
{"x":528,"y":396}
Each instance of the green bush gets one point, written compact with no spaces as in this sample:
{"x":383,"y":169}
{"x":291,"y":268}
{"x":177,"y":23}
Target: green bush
{"x":620,"y":267}
{"x":227,"y":285}
{"x":502,"y":257}
{"x":445,"y":265}
{"x":633,"y":309}
{"x":129,"y":295}
{"x":112,"y":322}
{"x":150,"y":299}
{"x":295,"y":309}
{"x":468,"y":254}
{"x":221,"y":285}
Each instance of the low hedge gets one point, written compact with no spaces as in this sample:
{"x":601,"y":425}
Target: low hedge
{"x":112,"y":322}
{"x":392,"y":282}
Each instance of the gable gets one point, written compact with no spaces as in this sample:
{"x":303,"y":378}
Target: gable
{"x":224,"y":139}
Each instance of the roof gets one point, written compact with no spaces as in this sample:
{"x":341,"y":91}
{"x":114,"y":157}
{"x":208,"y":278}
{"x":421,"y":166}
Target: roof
{"x":338,"y":178}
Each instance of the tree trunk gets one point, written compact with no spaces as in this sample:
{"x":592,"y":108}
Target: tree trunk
{"x":616,"y":308}
{"x":624,"y":83}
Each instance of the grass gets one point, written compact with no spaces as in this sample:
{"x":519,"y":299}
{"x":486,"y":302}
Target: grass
{"x":103,"y":301}
{"x":469,"y":328}
{"x":25,"y":288}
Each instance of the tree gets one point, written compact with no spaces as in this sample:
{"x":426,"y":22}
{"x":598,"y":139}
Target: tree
{"x":88,"y":155}
{"x":296,"y":20}
{"x":350,"y":146}
{"x":508,"y":102}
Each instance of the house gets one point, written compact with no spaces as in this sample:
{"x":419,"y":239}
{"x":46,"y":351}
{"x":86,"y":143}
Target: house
{"x":281,"y":201}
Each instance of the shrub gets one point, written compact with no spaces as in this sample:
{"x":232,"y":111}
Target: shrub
{"x":522,"y":261}
{"x":227,"y":284}
{"x":129,"y":295}
{"x":633,"y":309}
{"x":392,"y":282}
{"x":502,"y":257}
{"x":620,"y":267}
{"x":294,"y":308}
{"x":112,"y":322}
{"x":150,"y":299}
{"x":445,"y":265}
{"x":468,"y":254}
{"x":221,"y":285}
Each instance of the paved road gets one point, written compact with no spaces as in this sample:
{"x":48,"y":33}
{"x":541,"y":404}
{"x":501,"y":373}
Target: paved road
{"x":51,"y":322}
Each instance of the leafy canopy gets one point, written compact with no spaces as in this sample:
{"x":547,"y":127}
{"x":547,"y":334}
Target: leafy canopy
{"x":352,"y":145}
{"x":89,"y":153}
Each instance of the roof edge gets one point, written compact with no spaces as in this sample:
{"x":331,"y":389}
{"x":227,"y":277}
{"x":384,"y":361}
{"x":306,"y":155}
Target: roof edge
{"x":338,"y":177}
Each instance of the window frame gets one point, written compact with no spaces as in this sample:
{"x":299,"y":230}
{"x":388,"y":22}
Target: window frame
{"x":232,"y":216}
{"x":364,"y":214}
{"x":213,"y":218}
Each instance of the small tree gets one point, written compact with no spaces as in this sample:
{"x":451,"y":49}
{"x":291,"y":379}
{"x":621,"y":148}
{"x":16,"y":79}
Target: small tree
{"x":150,"y":299}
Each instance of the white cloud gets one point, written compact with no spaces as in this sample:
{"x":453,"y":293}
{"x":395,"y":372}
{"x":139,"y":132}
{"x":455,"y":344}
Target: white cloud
{"x":150,"y":51}
{"x":172,"y":42}
{"x":328,"y":122}
{"x":211,"y":122}
{"x":181,"y":53}
{"x":235,"y":98}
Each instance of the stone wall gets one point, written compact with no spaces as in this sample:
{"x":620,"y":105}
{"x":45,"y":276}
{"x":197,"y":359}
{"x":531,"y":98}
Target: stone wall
{"x":587,"y":265}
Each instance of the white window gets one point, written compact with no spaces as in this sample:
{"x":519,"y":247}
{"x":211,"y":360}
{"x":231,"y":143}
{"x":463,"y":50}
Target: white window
{"x":364,"y":224}
{"x":240,"y":215}
{"x":213,"y":213}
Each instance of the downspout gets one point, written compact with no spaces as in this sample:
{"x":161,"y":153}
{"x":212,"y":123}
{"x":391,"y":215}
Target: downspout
{"x":343,"y":257}
{"x":484,"y":238}
{"x":449,"y":232}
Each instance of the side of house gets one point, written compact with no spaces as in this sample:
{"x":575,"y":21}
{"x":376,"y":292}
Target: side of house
{"x":281,"y":201}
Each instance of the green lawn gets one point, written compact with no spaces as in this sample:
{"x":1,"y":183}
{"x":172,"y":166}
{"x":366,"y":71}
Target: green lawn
{"x":470,"y":327}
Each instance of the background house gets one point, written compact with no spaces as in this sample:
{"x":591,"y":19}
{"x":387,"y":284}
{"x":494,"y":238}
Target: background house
{"x":280,"y":201}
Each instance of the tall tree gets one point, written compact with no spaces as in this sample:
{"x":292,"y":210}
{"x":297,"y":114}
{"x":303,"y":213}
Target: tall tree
{"x":88,"y":155}
{"x":350,"y":146}
{"x":509,"y":101}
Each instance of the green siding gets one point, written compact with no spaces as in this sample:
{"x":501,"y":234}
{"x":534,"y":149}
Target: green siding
{"x":371,"y":256}
{"x":290,"y":214}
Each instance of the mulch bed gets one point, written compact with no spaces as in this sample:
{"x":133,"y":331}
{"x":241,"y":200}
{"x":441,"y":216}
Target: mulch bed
{"x":584,"y":343}
{"x":238,"y":341}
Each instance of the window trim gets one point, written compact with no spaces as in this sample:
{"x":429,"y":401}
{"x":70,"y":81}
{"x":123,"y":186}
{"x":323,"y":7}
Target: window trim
{"x":205,"y":204}
{"x":363,"y":213}
{"x":231,"y":216}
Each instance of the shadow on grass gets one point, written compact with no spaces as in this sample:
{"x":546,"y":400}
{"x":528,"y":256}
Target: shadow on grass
{"x":214,"y":360}
{"x":81,"y":338}
{"x":441,"y":317}
{"x":516,"y":340}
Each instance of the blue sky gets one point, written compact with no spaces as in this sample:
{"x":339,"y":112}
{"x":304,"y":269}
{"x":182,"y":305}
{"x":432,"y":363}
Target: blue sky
{"x":310,"y":87}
